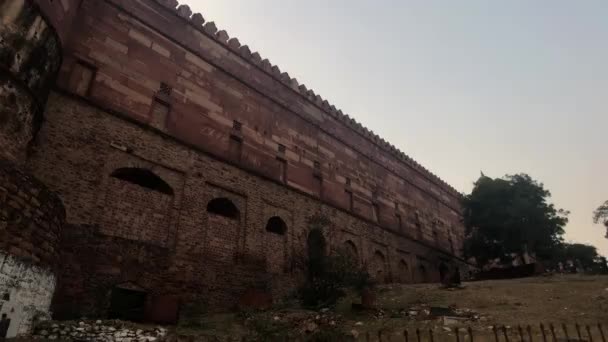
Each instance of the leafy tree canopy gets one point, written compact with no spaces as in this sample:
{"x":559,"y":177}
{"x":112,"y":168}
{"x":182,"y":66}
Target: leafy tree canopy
{"x":600,"y":215}
{"x":585,"y":254}
{"x":511,"y":215}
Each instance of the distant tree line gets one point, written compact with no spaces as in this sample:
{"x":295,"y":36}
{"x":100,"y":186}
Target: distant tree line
{"x":511,"y":217}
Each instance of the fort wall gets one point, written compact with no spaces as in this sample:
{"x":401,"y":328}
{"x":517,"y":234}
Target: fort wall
{"x":165,"y":68}
{"x":203,"y":254}
{"x":31,"y":216}
{"x":188,"y":166}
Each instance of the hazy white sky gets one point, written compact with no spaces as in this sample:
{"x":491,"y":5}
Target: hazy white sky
{"x":461,"y":86}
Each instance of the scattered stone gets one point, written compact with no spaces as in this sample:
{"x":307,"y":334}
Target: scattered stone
{"x":324,"y":310}
{"x":311,"y":327}
{"x":447,"y":329}
{"x":354,"y":333}
{"x":453,"y":320}
{"x":359,"y":324}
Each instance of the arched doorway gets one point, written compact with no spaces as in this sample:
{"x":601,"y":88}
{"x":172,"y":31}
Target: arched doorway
{"x":276,"y":243}
{"x":350,"y":250}
{"x":443,"y":272}
{"x":316,"y":249}
{"x":378,"y":267}
{"x":404,"y":272}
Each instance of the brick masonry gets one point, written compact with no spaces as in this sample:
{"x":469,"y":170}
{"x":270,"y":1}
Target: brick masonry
{"x":188,"y":166}
{"x":31,"y":218}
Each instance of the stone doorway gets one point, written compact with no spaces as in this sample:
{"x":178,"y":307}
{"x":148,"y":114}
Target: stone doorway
{"x":127,"y":304}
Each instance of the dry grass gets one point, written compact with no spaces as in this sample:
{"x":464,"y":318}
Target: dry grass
{"x":557,"y":299}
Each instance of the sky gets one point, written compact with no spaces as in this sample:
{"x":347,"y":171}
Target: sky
{"x":462,"y":87}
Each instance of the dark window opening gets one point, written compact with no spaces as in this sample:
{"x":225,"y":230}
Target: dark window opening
{"x":351,"y":250}
{"x":443,"y":271}
{"x":282,"y":170}
{"x":276,"y":225}
{"x":128,"y":305}
{"x":237,"y":126}
{"x":159,"y":114}
{"x":419,"y":230}
{"x":347,"y":181}
{"x":235,"y":147}
{"x":144,"y":178}
{"x":350,"y":200}
{"x":223,"y":207}
{"x":164,"y":89}
{"x":6,"y":296}
{"x":281,"y":148}
{"x":422,"y":270}
{"x":376,"y":212}
{"x":399,"y":222}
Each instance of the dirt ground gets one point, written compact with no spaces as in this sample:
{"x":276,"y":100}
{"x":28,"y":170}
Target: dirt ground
{"x":557,"y":299}
{"x":422,"y":309}
{"x":482,"y":305}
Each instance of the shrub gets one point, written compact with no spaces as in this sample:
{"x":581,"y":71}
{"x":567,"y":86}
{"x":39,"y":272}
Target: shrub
{"x":329,"y":275}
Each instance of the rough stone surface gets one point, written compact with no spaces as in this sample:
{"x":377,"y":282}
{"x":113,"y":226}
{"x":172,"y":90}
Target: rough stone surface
{"x":29,"y":59}
{"x":25,"y":293}
{"x":102,"y":331}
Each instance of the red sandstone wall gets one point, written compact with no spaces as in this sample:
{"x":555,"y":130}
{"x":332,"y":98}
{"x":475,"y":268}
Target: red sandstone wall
{"x":128,"y":48}
{"x":205,"y":257}
{"x":60,"y":14}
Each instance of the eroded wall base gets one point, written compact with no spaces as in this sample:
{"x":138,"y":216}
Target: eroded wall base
{"x":25,"y":293}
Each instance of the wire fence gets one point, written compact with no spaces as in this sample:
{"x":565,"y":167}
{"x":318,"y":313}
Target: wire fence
{"x":525,"y":333}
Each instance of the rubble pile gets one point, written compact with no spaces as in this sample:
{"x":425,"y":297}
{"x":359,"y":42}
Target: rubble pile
{"x":102,"y":331}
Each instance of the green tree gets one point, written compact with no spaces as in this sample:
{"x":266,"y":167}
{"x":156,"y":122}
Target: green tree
{"x":600,"y":215}
{"x":585,"y":255}
{"x":511,"y":215}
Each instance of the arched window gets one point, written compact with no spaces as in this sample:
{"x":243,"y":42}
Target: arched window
{"x":144,"y":178}
{"x":223,"y":207}
{"x":276,"y":225}
{"x":443,"y":271}
{"x":351,"y":250}
{"x":423,"y":275}
{"x":404,"y":271}
{"x":379,"y":267}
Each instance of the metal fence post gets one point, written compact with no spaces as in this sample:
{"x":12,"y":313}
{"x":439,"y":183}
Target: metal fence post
{"x":553,"y":332}
{"x":542,"y":330}
{"x":504,"y":332}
